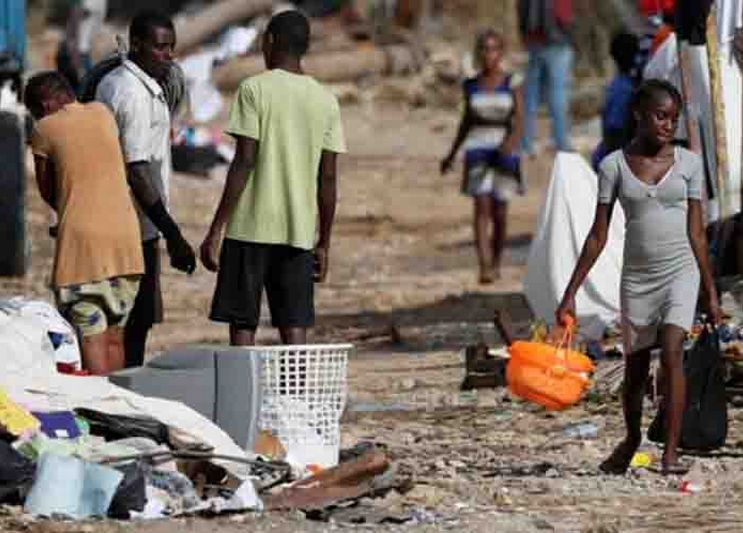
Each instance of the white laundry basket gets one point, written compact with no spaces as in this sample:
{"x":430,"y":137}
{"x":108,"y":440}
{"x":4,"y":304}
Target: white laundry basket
{"x":303,"y":390}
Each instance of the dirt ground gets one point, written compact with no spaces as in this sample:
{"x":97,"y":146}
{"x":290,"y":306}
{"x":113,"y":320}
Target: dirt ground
{"x":403,"y":290}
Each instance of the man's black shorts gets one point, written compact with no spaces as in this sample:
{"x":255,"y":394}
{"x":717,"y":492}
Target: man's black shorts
{"x":245,"y":268}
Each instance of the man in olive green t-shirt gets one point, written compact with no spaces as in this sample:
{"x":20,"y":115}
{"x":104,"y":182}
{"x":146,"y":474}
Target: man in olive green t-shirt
{"x":288,"y":133}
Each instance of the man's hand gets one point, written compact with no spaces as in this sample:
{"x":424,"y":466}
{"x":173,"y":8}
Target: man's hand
{"x":209,"y":252}
{"x":182,"y":256}
{"x":322,"y":254}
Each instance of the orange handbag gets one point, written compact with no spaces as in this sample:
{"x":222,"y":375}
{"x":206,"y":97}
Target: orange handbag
{"x":552,"y":376}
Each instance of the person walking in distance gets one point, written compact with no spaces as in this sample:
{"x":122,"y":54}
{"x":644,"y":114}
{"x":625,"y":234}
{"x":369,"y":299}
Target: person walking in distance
{"x":545,"y":27}
{"x":490,"y":130}
{"x":84,"y":20}
{"x":660,"y":188}
{"x":288,"y":132}
{"x":133,"y":92}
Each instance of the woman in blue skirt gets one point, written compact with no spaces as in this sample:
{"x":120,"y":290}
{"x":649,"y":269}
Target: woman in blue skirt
{"x":490,"y":130}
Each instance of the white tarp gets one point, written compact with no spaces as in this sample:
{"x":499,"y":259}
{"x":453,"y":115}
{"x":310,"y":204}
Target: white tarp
{"x":30,"y":378}
{"x":205,"y":100}
{"x":564,"y":222}
{"x":43,"y":319}
{"x":664,"y":65}
{"x":728,"y":19}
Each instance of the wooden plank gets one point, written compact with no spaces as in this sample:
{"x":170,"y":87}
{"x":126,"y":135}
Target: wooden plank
{"x":718,"y":112}
{"x":344,"y":482}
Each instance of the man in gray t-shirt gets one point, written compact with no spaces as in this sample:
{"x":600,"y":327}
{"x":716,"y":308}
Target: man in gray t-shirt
{"x":134,"y":93}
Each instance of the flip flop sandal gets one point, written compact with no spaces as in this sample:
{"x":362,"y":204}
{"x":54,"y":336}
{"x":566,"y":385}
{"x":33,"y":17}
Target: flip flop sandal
{"x":676,"y":469}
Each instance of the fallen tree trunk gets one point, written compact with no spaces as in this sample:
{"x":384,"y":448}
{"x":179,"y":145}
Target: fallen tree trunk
{"x":193,"y":30}
{"x":197,"y":28}
{"x":331,"y":67}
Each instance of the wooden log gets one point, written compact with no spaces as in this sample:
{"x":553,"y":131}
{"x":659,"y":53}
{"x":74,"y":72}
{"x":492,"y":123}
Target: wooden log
{"x":692,"y":122}
{"x":331,"y":67}
{"x":718,"y":111}
{"x":193,"y":30}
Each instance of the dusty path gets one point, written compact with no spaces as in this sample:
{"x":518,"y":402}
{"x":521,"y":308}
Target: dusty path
{"x":403,"y":289}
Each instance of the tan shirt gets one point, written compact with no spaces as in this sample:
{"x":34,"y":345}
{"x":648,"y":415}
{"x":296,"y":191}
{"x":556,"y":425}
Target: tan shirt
{"x":98,"y":228}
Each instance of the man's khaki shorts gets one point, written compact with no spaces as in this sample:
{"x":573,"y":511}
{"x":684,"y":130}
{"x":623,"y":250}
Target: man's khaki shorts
{"x":94,"y":307}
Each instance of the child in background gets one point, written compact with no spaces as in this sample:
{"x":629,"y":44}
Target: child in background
{"x":616,"y":118}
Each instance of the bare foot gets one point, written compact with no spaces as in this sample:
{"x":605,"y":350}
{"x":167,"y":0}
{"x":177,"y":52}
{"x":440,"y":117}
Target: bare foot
{"x":619,"y":460}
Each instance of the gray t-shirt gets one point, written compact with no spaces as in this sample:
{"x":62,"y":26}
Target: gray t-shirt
{"x":656,"y":215}
{"x":141,"y":111}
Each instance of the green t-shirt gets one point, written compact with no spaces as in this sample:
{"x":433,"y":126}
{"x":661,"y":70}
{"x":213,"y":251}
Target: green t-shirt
{"x":294,"y":119}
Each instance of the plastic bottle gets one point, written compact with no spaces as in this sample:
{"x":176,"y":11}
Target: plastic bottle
{"x":694,"y":481}
{"x":583,"y":430}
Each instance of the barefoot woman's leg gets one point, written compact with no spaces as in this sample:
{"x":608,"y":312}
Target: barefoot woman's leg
{"x":500,"y":211}
{"x":672,"y":360}
{"x":636,"y":368}
{"x":483,"y":243}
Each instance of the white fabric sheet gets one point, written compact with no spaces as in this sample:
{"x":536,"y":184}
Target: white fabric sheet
{"x":565,"y":220}
{"x":728,"y":19}
{"x":30,"y":378}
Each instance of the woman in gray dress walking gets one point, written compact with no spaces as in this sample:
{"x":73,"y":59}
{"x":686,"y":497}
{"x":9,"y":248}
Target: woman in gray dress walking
{"x":659,"y":186}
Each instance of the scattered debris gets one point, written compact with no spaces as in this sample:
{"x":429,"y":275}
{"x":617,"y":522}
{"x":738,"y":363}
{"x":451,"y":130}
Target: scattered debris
{"x":350,"y":480}
{"x":582,"y":431}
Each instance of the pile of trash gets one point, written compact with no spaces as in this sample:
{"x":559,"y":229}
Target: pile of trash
{"x":75,"y":446}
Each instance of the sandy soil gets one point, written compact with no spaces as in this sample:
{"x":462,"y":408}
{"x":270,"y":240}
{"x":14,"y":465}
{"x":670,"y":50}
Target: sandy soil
{"x":403,"y":289}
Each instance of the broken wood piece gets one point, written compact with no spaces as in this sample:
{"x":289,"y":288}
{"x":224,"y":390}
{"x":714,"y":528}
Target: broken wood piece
{"x":483,"y":381}
{"x":503,"y":327}
{"x":346,"y":481}
{"x":330,"y":67}
{"x":477,"y":357}
{"x":482,"y":370}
